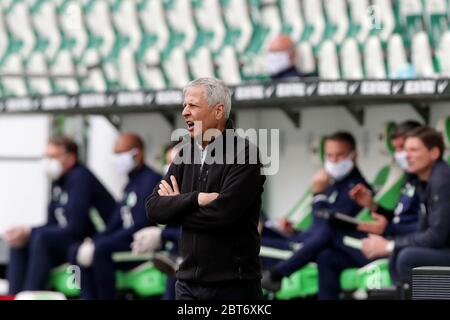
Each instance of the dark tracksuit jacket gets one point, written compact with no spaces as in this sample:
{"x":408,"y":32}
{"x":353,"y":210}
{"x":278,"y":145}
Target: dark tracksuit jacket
{"x":72,"y":198}
{"x":220,"y":241}
{"x":434,"y":218}
{"x":404,"y":218}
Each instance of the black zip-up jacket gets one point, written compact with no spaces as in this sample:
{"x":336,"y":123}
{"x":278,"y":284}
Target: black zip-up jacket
{"x":220,"y":241}
{"x":434,"y":219}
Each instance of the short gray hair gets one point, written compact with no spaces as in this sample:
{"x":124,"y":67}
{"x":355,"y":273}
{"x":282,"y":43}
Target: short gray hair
{"x":216,"y":92}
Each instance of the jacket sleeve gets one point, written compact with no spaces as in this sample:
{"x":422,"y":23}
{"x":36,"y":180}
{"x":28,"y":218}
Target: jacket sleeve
{"x":437,"y":232}
{"x":168,"y":209}
{"x":388,"y":214}
{"x":78,"y":206}
{"x":241,"y":188}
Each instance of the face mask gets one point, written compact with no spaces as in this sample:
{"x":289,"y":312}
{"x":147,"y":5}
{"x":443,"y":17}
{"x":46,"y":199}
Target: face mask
{"x":124,"y":161}
{"x":53,"y":168}
{"x":400,"y":157}
{"x":166,"y":168}
{"x":338,"y":170}
{"x":277,"y":61}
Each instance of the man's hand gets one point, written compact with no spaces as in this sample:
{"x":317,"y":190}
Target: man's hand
{"x":166,"y":190}
{"x":376,"y":227}
{"x":362,"y":196}
{"x":206,"y":198}
{"x":285,"y":226}
{"x":85,"y":254}
{"x":374,"y":246}
{"x":146,"y":240}
{"x":17,"y":236}
{"x":320,"y":181}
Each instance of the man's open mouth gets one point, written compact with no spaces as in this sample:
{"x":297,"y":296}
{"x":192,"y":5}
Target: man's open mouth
{"x":190,"y":125}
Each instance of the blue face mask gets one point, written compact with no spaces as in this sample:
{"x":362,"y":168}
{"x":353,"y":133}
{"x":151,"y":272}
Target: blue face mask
{"x":340,"y":169}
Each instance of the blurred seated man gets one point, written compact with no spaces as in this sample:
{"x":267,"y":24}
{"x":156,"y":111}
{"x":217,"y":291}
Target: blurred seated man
{"x":430,"y":245}
{"x":280,"y":58}
{"x":94,"y":255}
{"x":331,"y":188}
{"x":74,"y":191}
{"x":403,"y":220}
{"x":151,"y":239}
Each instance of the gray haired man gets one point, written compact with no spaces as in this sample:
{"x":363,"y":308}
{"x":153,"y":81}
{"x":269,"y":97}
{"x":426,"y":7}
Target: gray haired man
{"x":216,"y":201}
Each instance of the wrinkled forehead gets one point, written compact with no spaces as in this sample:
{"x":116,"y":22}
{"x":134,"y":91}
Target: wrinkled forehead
{"x":195,"y":95}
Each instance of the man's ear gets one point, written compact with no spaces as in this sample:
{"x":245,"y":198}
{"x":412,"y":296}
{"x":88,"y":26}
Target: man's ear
{"x":220,"y":111}
{"x":435,"y":153}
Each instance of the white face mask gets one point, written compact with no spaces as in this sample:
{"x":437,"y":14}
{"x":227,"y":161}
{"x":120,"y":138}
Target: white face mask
{"x":338,"y":170}
{"x":124,"y":161}
{"x":277,"y":61}
{"x":400,"y":158}
{"x":53,"y":168}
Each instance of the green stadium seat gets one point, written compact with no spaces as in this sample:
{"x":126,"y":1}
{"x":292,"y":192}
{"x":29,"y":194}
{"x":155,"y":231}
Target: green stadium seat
{"x":374,"y":275}
{"x":143,"y":280}
{"x":292,"y":19}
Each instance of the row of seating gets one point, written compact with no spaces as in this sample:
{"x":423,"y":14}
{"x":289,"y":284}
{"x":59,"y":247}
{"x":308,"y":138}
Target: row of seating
{"x":71,"y":46}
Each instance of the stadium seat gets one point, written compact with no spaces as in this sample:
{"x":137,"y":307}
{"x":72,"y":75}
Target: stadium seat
{"x":291,"y":13}
{"x":208,"y":14}
{"x":13,"y":85}
{"x":421,"y":55}
{"x":443,"y":53}
{"x":306,"y":62}
{"x":143,"y":280}
{"x":128,"y":76}
{"x":240,"y":28}
{"x":150,"y":71}
{"x":411,"y":16}
{"x":98,"y":21}
{"x":157,"y":25}
{"x":436,"y":19}
{"x":328,"y":61}
{"x":73,"y":28}
{"x":125,"y":19}
{"x":176,"y":68}
{"x":374,"y":59}
{"x":64,"y":66}
{"x":270,"y":19}
{"x":37,"y":65}
{"x":315,"y":20}
{"x":21,"y":32}
{"x":360,"y":24}
{"x":336,"y":11}
{"x":45,"y":21}
{"x":374,"y":275}
{"x":91,"y":72}
{"x":351,"y":60}
{"x":384,"y":12}
{"x":181,"y":20}
{"x":228,"y":68}
{"x":398,"y":66}
{"x":201,"y":63}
